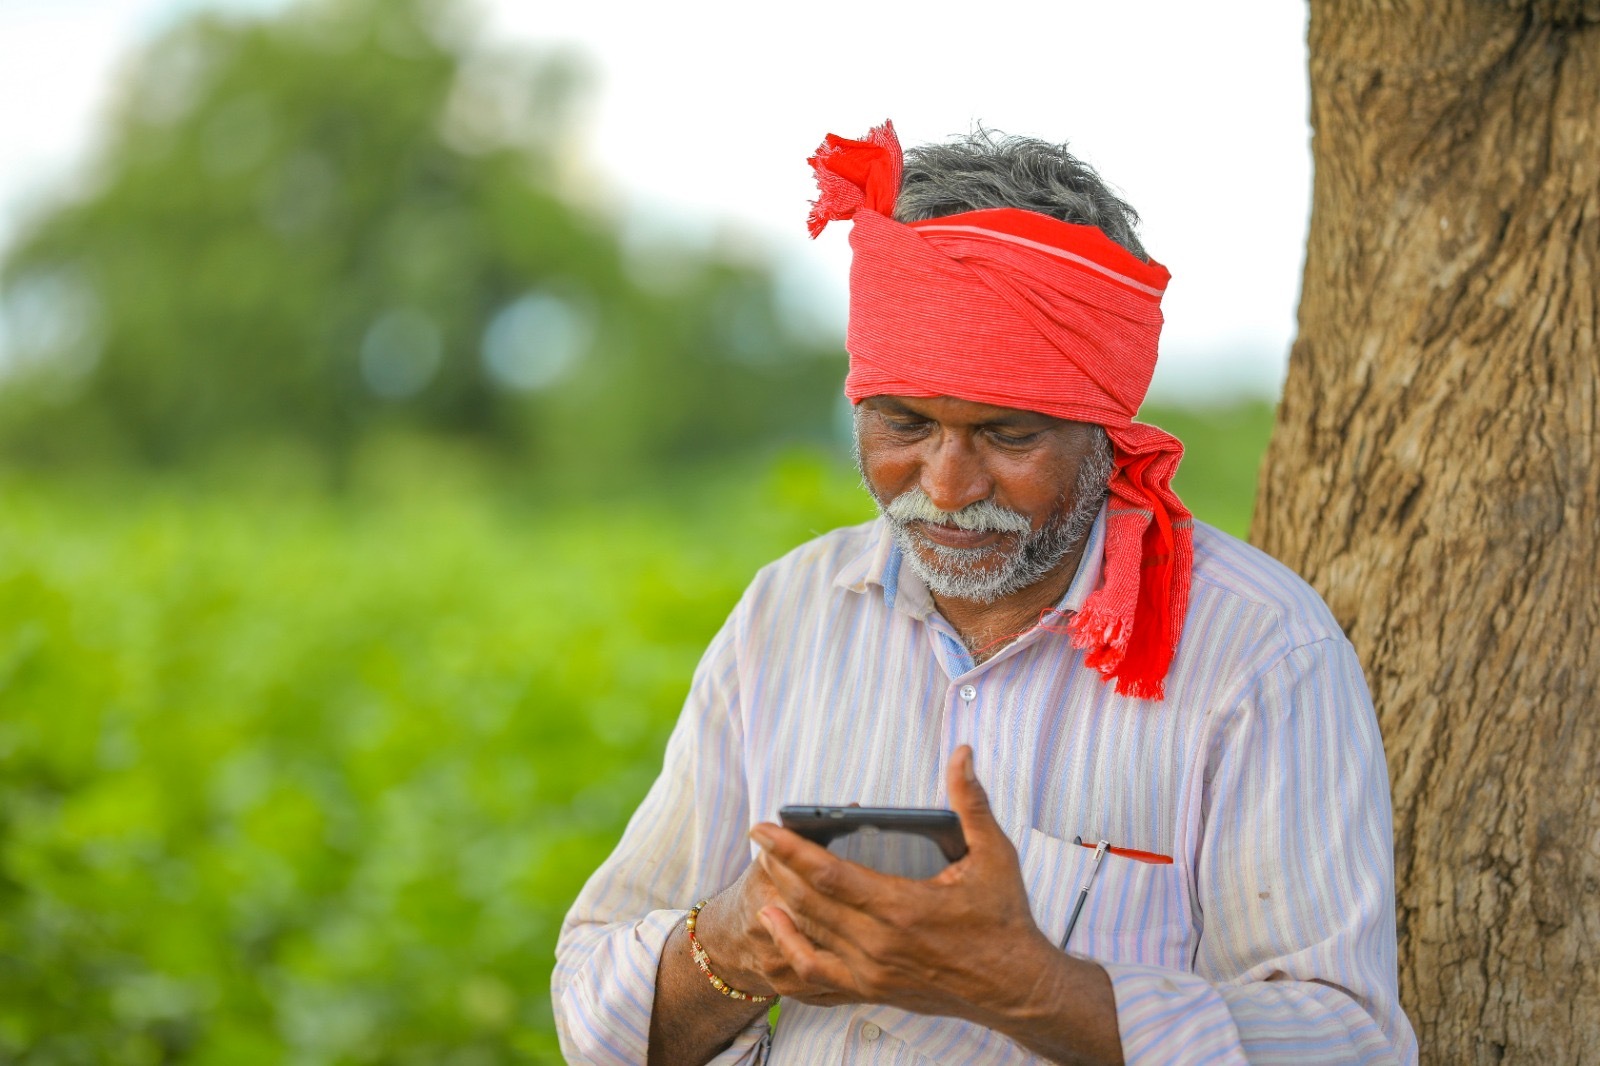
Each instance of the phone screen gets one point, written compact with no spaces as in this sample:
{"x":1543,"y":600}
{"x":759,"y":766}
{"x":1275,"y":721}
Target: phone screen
{"x":906,"y":842}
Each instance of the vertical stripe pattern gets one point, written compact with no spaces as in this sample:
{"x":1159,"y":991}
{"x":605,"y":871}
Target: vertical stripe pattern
{"x":1270,"y":938}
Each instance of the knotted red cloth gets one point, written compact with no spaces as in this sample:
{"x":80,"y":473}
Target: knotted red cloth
{"x":1017,"y":309}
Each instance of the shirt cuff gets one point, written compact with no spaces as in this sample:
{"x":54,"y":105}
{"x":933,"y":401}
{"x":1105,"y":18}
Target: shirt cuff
{"x":1168,"y":1016}
{"x":603,"y":1007}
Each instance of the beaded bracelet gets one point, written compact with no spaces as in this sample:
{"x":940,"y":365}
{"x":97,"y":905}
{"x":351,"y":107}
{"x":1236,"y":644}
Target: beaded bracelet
{"x":702,"y":960}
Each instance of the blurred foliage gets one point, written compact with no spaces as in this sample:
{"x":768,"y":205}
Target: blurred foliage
{"x":288,"y":776}
{"x":299,"y":779}
{"x":352,"y":217}
{"x":308,"y":777}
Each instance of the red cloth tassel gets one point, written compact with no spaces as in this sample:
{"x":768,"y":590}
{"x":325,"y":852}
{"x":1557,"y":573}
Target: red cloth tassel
{"x":855,"y":174}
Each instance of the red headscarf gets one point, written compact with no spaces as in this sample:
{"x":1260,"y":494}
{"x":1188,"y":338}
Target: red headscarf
{"x":1017,"y":309}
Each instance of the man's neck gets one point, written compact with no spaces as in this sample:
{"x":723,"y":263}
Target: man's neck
{"x":986,"y":628}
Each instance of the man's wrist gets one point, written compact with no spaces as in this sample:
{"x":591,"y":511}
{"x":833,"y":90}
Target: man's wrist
{"x":1063,"y":1009}
{"x":1041,"y":978}
{"x":690,"y":1021}
{"x":715,"y":929}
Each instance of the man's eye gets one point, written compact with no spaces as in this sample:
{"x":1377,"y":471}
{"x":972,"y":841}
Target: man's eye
{"x":1015,"y":440}
{"x":900,"y":426}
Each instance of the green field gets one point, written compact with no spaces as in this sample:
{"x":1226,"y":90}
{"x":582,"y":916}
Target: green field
{"x":288,"y":776}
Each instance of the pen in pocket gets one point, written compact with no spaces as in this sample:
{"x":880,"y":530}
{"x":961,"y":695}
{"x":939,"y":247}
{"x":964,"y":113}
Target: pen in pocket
{"x":1101,"y":850}
{"x":1083,"y":893}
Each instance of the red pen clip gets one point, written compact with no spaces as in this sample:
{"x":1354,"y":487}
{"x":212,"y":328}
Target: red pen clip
{"x":1128,"y":853}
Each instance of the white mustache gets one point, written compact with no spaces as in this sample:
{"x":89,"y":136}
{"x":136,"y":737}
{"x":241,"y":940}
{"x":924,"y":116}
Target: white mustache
{"x":984,"y":516}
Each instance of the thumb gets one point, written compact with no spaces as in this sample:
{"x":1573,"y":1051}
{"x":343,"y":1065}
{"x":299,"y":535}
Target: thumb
{"x":970,"y":802}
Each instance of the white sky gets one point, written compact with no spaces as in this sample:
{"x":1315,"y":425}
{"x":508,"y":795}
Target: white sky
{"x":704,"y":112}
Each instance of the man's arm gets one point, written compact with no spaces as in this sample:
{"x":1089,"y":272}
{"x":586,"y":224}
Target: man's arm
{"x":687,"y":839}
{"x":691,"y":1021}
{"x":1295,"y":879}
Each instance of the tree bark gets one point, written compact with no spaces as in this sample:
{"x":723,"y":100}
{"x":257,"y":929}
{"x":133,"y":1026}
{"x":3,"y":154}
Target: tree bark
{"x":1434,"y":473}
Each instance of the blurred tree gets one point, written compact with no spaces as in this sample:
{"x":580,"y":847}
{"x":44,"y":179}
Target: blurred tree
{"x":349,"y":217}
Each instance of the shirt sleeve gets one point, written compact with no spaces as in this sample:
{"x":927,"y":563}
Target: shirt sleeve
{"x":1294,"y":875}
{"x":686,"y":841}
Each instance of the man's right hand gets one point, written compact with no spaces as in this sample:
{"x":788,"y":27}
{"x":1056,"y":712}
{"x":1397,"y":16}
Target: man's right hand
{"x":741,"y":950}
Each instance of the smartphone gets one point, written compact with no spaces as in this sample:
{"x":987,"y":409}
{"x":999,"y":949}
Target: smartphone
{"x":915,"y":842}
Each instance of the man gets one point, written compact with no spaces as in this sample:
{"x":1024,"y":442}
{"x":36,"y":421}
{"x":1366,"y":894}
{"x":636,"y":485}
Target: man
{"x":1036,"y":635}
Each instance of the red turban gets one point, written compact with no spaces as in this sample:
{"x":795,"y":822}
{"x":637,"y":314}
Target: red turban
{"x":1017,"y":309}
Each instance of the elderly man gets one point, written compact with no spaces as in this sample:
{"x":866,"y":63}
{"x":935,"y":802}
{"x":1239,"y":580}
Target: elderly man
{"x":1036,"y":634}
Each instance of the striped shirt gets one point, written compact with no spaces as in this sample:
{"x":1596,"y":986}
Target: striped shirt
{"x":1269,"y":938}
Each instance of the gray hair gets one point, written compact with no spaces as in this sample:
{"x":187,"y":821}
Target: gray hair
{"x":987,"y":169}
{"x":1094,"y":476}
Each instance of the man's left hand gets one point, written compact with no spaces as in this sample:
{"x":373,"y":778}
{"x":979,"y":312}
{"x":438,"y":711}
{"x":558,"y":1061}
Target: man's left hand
{"x":962,"y":943}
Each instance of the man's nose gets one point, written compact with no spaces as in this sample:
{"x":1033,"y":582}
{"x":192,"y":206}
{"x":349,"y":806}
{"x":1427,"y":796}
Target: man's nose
{"x":953,"y":475}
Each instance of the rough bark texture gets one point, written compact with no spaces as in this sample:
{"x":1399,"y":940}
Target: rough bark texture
{"x":1434,"y":472}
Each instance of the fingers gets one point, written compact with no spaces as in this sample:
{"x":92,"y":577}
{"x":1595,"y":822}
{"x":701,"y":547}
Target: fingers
{"x":823,"y":872}
{"x":821,"y":971}
{"x":813,"y":900}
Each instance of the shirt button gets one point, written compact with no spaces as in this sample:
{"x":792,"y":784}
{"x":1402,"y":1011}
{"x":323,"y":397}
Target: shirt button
{"x":870,"y":1032}
{"x":969,"y":693}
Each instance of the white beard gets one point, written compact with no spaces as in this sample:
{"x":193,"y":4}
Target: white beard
{"x":984,"y":575}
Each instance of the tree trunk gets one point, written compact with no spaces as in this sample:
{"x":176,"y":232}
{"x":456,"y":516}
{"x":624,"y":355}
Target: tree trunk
{"x":1434,"y":472}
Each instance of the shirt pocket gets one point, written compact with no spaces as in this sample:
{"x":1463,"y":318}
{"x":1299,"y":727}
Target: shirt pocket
{"x":1136,"y":911}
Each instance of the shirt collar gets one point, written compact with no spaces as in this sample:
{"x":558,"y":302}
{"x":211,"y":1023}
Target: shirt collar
{"x":878,"y":566}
